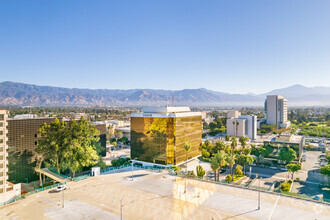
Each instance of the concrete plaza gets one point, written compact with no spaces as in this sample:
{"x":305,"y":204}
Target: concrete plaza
{"x":152,"y":195}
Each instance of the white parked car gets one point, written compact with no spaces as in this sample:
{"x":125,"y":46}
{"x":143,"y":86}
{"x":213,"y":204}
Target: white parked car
{"x":284,"y":169}
{"x":60,"y":188}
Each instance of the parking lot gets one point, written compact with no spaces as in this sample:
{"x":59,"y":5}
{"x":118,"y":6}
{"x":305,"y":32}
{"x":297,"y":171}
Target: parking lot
{"x":153,"y":195}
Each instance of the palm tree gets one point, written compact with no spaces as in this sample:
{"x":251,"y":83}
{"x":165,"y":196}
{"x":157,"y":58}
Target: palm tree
{"x":233,"y":143}
{"x":187,"y":147}
{"x":221,"y":157}
{"x":231,"y":161}
{"x":215,"y":167}
{"x":237,"y":123}
{"x":242,"y":140}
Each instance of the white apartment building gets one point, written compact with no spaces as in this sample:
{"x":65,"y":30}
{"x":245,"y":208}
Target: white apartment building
{"x":276,"y":111}
{"x":251,"y":125}
{"x":241,"y":125}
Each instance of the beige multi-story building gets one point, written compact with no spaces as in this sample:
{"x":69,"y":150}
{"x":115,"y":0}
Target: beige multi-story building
{"x":276,"y":111}
{"x":236,"y":127}
{"x":158,"y":135}
{"x":233,"y":114}
{"x":3,"y":151}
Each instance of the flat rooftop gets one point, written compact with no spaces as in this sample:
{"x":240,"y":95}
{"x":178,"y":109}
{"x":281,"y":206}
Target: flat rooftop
{"x":166,"y":109}
{"x":286,"y":138}
{"x":166,"y":112}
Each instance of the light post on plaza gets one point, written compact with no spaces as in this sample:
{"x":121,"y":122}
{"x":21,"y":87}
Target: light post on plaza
{"x":121,"y":209}
{"x":258,"y":192}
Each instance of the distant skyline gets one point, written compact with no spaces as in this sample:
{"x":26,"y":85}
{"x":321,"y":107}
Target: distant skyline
{"x":228,"y":46}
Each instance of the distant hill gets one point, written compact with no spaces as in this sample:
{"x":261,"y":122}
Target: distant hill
{"x":20,"y":94}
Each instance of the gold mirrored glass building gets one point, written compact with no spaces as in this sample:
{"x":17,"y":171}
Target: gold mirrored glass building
{"x":158,"y":135}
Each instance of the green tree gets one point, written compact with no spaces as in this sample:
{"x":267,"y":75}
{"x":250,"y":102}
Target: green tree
{"x":259,"y":152}
{"x":53,"y":143}
{"x":229,"y":178}
{"x":221,"y":157}
{"x":231,"y":161}
{"x":233,"y":143}
{"x":219,"y":145}
{"x":242,"y":140}
{"x":238,"y":170}
{"x":80,"y":151}
{"x":227,"y":137}
{"x":326,"y":170}
{"x":200,"y":171}
{"x":213,"y":125}
{"x":244,"y":160}
{"x":292,"y":168}
{"x":205,"y":153}
{"x":287,"y":154}
{"x":68,"y":146}
{"x":215,"y":167}
{"x":187,"y":147}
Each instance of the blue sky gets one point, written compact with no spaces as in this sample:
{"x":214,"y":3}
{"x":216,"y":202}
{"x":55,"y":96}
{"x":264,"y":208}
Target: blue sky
{"x":230,"y":46}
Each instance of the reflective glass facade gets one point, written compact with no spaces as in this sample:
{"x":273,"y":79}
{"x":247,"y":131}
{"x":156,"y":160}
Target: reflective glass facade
{"x":161,"y":140}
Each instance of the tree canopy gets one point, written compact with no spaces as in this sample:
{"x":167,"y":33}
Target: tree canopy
{"x":287,"y":154}
{"x":68,"y":146}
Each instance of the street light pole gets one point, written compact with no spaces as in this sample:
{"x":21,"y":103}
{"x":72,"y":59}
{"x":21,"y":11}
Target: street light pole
{"x":259,"y":194}
{"x":121,"y":209}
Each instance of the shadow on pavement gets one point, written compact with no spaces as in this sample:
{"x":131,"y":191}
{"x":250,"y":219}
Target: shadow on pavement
{"x":243,"y":213}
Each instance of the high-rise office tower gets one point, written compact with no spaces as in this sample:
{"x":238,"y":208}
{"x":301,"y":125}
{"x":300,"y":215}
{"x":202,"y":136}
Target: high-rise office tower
{"x":276,"y":111}
{"x":158,"y":135}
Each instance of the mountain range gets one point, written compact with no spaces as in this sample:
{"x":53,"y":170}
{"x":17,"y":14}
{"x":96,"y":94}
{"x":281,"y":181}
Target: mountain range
{"x":20,"y":94}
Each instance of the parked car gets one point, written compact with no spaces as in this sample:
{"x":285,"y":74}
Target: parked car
{"x":60,"y":188}
{"x":284,"y":168}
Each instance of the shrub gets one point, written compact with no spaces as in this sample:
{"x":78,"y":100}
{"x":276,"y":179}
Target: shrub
{"x":205,"y":153}
{"x":285,"y":186}
{"x":200,"y":171}
{"x":121,"y":161}
{"x":238,"y":170}
{"x":229,"y":178}
{"x":190,"y":173}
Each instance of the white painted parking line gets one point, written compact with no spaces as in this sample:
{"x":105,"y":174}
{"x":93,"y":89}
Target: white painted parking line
{"x":271,"y":213}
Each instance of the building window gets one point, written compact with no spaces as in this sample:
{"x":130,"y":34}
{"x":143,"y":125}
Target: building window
{"x":1,"y":141}
{"x":1,"y":124}
{"x":35,"y":143}
{"x":35,"y":135}
{"x":2,"y":116}
{"x":1,"y":132}
{"x":1,"y":174}
{"x":1,"y":190}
